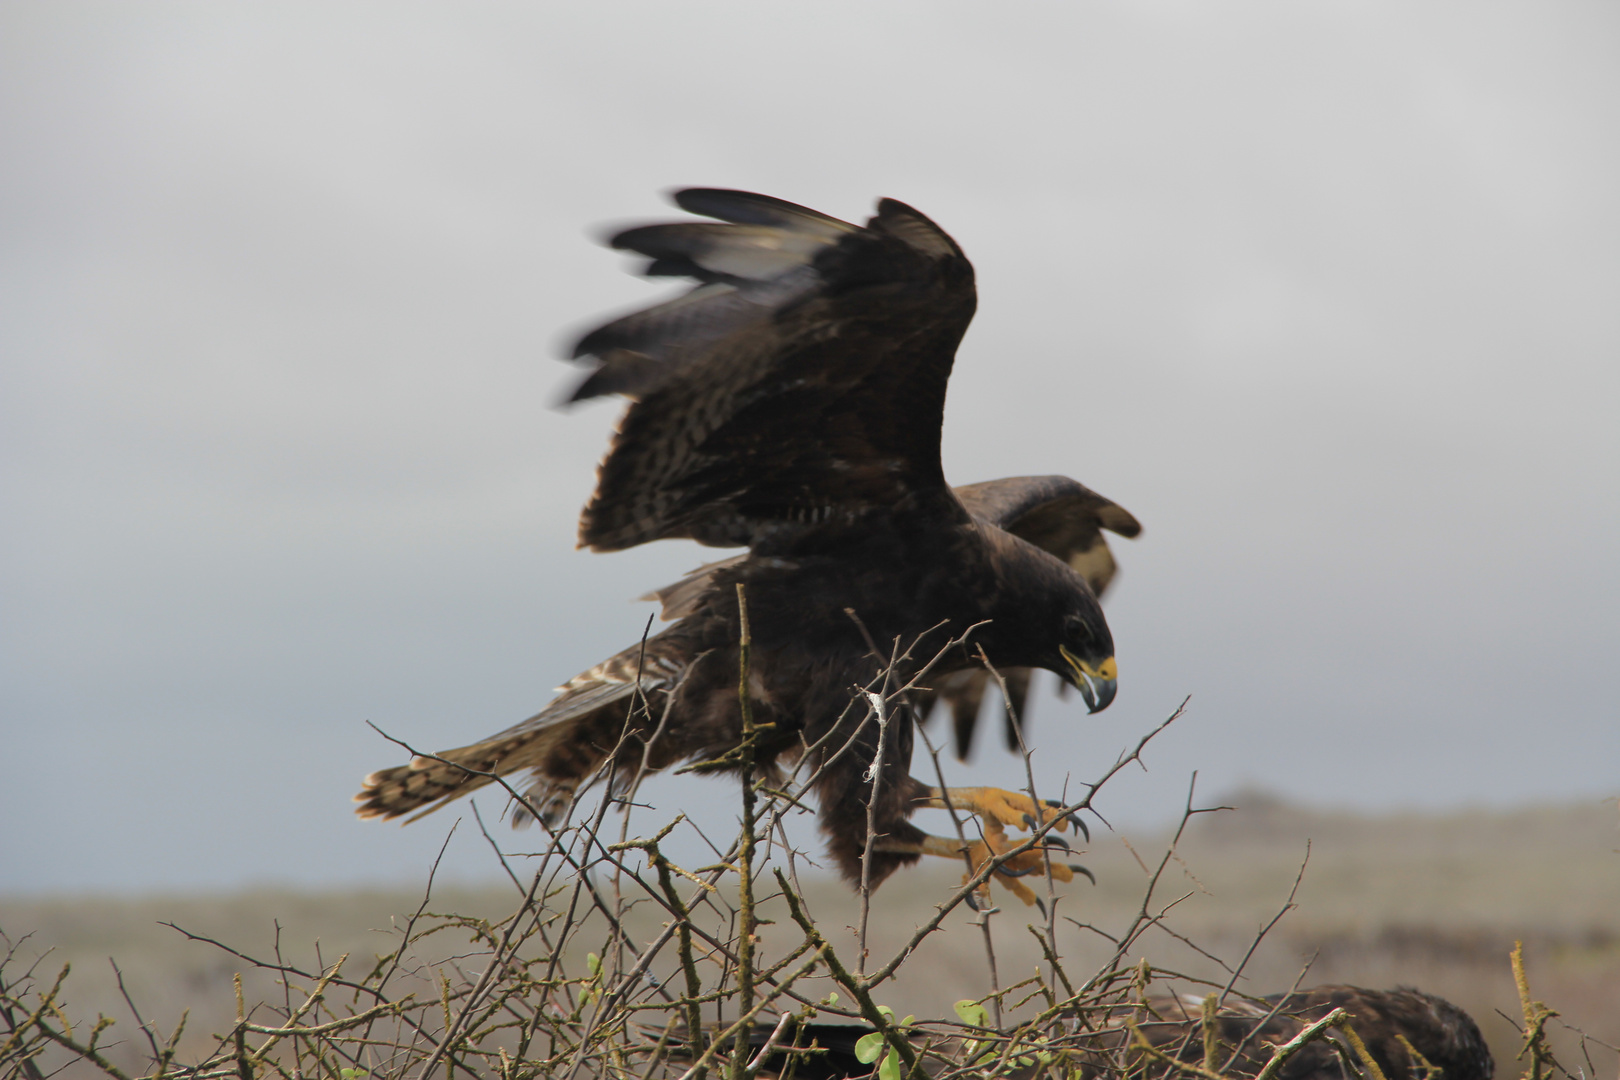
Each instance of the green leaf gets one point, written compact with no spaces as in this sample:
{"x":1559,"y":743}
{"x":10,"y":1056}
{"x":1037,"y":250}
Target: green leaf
{"x":971,"y":1012}
{"x":890,"y":1069}
{"x":594,"y":963}
{"x":868,"y":1047}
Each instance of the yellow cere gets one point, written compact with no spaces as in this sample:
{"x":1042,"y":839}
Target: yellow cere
{"x":1108,"y":670}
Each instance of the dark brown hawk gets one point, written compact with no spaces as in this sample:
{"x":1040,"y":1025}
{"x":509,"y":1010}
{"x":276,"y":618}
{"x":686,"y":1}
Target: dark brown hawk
{"x":791,"y":403}
{"x":1435,"y":1032}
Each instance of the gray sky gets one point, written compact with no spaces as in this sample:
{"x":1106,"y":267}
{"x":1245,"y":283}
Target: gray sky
{"x":1326,"y":294}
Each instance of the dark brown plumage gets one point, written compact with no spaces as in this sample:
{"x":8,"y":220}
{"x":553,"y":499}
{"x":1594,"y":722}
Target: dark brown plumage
{"x":1442,"y":1034}
{"x":791,"y":402}
{"x":806,"y":1051}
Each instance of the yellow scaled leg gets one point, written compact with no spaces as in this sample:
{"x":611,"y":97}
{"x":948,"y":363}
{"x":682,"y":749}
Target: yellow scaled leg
{"x":997,"y":809}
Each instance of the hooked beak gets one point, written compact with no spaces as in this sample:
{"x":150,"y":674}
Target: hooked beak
{"x":1097,"y":683}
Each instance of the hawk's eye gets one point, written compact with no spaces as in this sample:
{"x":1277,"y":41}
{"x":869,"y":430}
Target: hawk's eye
{"x":1076,"y":629}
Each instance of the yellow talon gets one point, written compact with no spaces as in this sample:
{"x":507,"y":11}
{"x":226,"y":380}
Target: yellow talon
{"x":1006,"y":807}
{"x":1009,"y":873}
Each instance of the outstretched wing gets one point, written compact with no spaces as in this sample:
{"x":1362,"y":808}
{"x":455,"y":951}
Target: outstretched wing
{"x":1062,"y":516}
{"x":802,"y":381}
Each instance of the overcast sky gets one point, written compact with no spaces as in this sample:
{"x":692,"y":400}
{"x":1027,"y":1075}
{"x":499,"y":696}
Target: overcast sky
{"x":1328,"y":295}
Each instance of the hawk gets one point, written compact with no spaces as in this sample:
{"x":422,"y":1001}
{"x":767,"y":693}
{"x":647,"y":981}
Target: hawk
{"x":791,"y":402}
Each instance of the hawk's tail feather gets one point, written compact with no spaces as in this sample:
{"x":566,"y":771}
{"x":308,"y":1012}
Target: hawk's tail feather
{"x":427,"y":783}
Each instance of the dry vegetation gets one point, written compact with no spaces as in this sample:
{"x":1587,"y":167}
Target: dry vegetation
{"x":597,"y":956}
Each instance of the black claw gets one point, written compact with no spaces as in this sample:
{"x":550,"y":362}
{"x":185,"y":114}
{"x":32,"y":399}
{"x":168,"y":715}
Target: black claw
{"x":1072,"y":817}
{"x":1041,"y":905}
{"x":1017,"y":873}
{"x":972,"y":901}
{"x":1053,"y":840}
{"x":1029,"y":823}
{"x":1077,"y":868}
